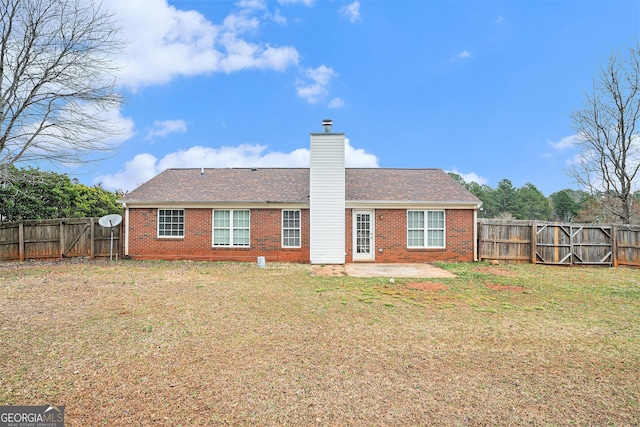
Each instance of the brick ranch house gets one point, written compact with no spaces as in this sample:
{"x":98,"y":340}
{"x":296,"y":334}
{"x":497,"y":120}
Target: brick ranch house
{"x":324,"y":214}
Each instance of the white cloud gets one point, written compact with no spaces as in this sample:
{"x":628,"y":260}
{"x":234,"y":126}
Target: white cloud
{"x":471,"y":177}
{"x":125,"y":125}
{"x":351,"y":11}
{"x":252,"y":4}
{"x":579,"y":158}
{"x":165,"y":43}
{"x":242,"y":55}
{"x":145,"y":166}
{"x":245,"y":155}
{"x":136,"y":171}
{"x":313,"y":86}
{"x":305,"y":2}
{"x":358,"y":158}
{"x":162,"y":128}
{"x":465,"y":54}
{"x":278,"y":18}
{"x":171,"y":42}
{"x":566,"y":142}
{"x":336,"y":103}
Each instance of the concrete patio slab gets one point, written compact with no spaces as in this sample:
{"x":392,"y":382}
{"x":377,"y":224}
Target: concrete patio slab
{"x":381,"y":270}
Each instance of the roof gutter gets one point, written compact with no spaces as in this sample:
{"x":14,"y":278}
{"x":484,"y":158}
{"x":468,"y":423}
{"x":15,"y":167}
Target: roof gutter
{"x":390,"y":204}
{"x":201,"y":204}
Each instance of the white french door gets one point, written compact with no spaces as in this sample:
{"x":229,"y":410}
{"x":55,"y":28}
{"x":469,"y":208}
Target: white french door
{"x":363,"y":235}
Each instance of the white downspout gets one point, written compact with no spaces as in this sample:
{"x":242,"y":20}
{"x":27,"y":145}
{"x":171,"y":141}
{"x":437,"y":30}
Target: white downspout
{"x":126,"y":228}
{"x":475,"y":235}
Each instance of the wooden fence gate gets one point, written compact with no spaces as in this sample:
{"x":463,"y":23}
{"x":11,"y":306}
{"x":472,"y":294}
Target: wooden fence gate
{"x":566,"y":244}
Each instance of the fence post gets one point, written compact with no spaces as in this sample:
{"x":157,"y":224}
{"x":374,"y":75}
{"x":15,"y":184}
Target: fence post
{"x":21,"y":241}
{"x":479,"y":240}
{"x":614,"y":245}
{"x":92,"y":238}
{"x":534,"y":242}
{"x":61,"y":239}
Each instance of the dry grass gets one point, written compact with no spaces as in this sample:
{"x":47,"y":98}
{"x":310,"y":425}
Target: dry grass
{"x":163,"y":343}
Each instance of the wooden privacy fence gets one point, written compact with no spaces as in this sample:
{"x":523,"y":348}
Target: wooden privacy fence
{"x":559,"y":243}
{"x":57,"y":238}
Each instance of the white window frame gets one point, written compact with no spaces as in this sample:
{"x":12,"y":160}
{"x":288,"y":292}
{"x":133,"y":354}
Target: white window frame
{"x":426,"y":230}
{"x":171,"y":215}
{"x":298,"y":228}
{"x":230,"y":228}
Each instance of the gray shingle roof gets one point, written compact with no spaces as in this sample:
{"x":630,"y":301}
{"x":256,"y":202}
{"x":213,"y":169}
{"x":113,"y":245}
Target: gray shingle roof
{"x":429,"y":185}
{"x":291,"y":185}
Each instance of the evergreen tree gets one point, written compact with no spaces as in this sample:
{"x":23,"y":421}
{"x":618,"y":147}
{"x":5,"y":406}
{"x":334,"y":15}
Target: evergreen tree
{"x":565,"y":208}
{"x":457,"y":178}
{"x":35,"y":194}
{"x":484,"y":193}
{"x":506,"y":198}
{"x":532,"y":204}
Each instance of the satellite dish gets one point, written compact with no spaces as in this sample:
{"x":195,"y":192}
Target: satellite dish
{"x":110,"y":220}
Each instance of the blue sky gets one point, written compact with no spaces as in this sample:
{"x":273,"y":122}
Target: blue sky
{"x":482,"y":88}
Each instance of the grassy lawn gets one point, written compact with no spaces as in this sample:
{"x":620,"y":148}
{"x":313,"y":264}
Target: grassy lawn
{"x":194,"y":344}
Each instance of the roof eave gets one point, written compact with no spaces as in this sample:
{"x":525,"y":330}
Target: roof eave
{"x":205,"y":204}
{"x":404,"y":204}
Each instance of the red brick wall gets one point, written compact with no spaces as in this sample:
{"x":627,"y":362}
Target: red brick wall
{"x":390,"y":236}
{"x":266,"y":230}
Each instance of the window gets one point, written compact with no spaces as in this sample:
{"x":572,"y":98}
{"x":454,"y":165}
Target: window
{"x":425,"y":229}
{"x":290,"y":229}
{"x":170,"y":222}
{"x":230,"y":228}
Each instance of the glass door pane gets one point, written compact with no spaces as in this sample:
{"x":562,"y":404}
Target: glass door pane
{"x":363,"y":233}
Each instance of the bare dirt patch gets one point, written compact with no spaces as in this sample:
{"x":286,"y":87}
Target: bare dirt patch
{"x":427,"y":286}
{"x":497,"y":271}
{"x":328,"y":270}
{"x":511,"y":288}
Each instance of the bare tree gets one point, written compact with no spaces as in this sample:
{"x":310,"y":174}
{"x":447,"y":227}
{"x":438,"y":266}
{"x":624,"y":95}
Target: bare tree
{"x":609,"y":161}
{"x":57,"y":81}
